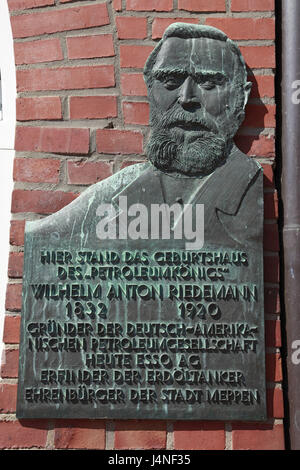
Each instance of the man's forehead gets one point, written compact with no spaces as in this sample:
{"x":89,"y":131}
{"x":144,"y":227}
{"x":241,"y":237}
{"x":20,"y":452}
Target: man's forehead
{"x":196,"y":54}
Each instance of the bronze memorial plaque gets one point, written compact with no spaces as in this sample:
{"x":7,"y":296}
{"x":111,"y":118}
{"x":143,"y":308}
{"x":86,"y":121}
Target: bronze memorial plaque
{"x":143,"y":298}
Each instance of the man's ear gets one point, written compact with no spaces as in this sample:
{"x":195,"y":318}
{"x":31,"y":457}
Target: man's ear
{"x":247,"y":90}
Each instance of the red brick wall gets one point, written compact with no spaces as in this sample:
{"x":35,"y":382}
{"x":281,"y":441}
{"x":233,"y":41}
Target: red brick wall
{"x":82,"y":115}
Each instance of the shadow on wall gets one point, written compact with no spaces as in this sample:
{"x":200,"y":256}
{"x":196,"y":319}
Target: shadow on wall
{"x":256,"y":119}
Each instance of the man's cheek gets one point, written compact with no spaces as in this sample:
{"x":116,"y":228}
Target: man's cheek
{"x":216,"y":102}
{"x":163,"y":99}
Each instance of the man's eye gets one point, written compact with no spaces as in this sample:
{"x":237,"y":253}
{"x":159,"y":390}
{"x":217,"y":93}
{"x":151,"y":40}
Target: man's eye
{"x":208,"y":85}
{"x":172,"y":82}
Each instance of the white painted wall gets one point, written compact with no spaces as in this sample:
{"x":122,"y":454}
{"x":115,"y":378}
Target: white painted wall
{"x":7,"y":133}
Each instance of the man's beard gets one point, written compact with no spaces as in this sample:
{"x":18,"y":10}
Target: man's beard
{"x":184,"y":143}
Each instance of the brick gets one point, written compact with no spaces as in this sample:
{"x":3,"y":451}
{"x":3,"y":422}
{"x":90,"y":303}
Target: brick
{"x":33,"y":52}
{"x":8,"y":398}
{"x":52,"y":140}
{"x":10,"y":364}
{"x":134,"y":56}
{"x":79,"y":434}
{"x":15,"y":264}
{"x":260,"y":115}
{"x":199,"y":436}
{"x":268,"y":176}
{"x":13,"y":301}
{"x":133,"y":84}
{"x":93,"y":107}
{"x":39,"y":108}
{"x":259,"y":57}
{"x":88,"y":47}
{"x":36,"y":24}
{"x":117,"y":5}
{"x":149,"y":5}
{"x":88,"y":172}
{"x":160,"y":24}
{"x":126,"y":163}
{"x":252,"y":5}
{"x":136,"y":113}
{"x":140,"y":435}
{"x":129,"y":27}
{"x":113,"y":141}
{"x":254,"y":145}
{"x":202,"y":5}
{"x":66,"y":78}
{"x":271,"y":237}
{"x":23,"y":434}
{"x":27,"y":4}
{"x":11,"y":333}
{"x":245,"y":28}
{"x":273,"y":333}
{"x":16,"y":236}
{"x":271,"y":269}
{"x":257,"y":436}
{"x":271,"y":205}
{"x":272,"y":300}
{"x":275,"y":407}
{"x":273,"y":367}
{"x":41,"y":202}
{"x":36,"y":170}
{"x":262,"y":86}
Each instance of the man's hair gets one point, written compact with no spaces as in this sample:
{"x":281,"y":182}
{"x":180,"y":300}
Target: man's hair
{"x":187,"y":31}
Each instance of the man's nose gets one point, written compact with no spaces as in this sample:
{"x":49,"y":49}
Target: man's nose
{"x":189,"y":94}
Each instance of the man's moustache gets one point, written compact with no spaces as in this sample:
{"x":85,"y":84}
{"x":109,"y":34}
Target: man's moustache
{"x":188,"y":122}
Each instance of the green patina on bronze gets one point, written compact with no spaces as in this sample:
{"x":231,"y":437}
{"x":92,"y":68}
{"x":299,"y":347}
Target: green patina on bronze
{"x":141,"y":326}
